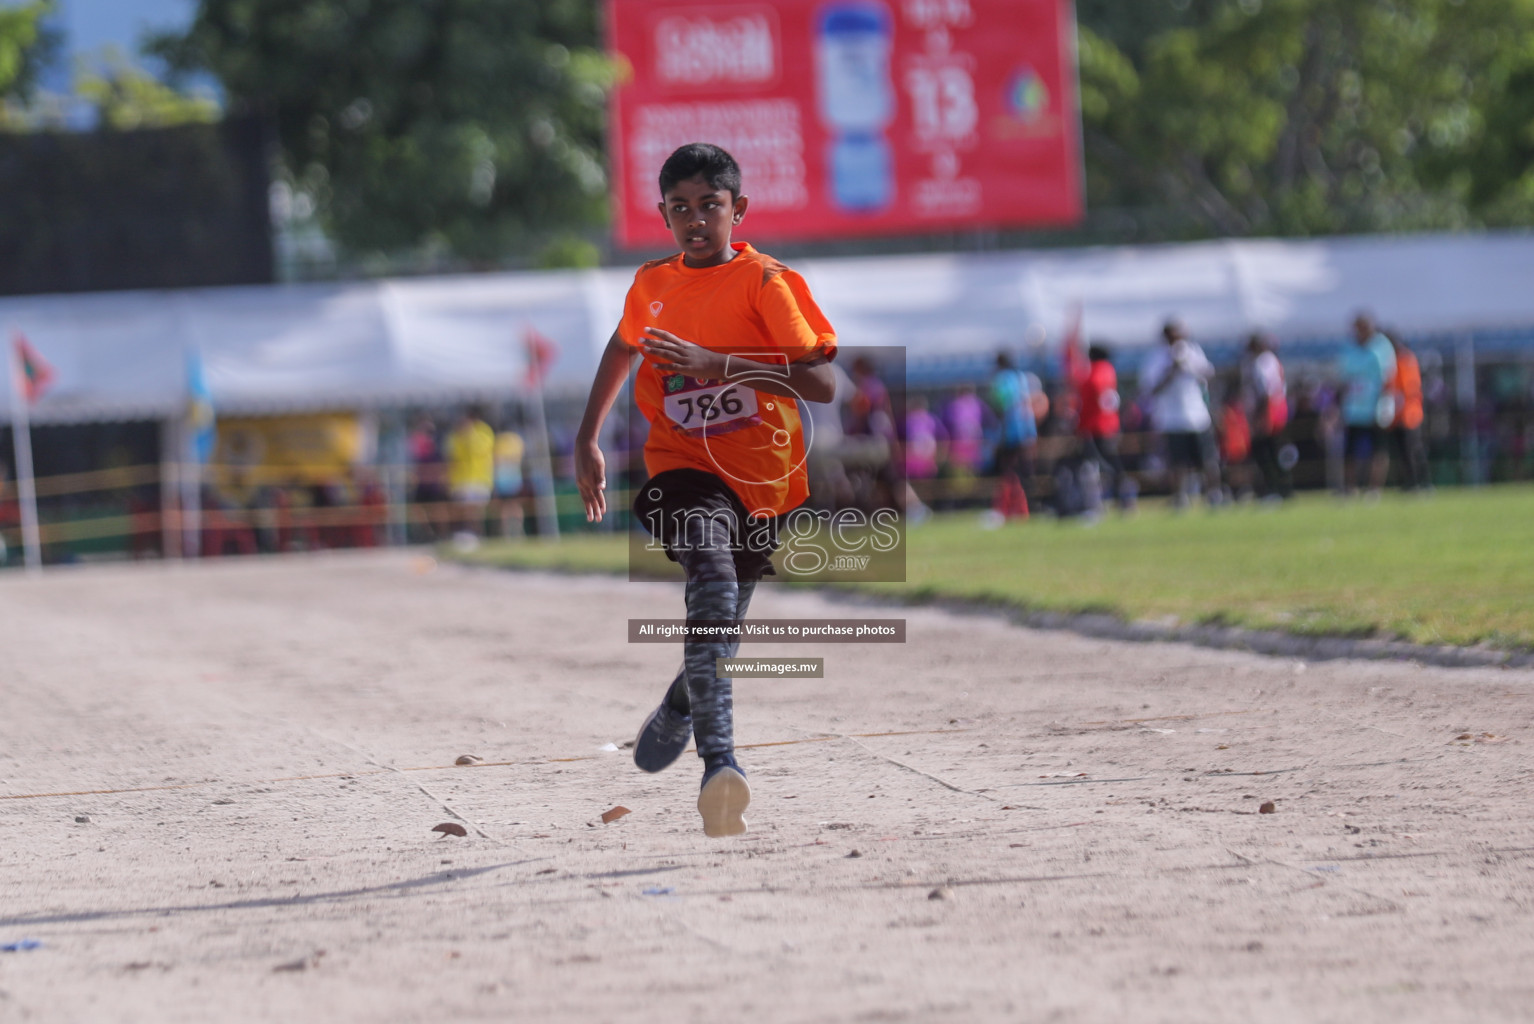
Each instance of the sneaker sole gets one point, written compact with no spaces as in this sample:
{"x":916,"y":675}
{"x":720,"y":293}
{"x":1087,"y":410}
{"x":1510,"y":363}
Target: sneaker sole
{"x":722,"y":802}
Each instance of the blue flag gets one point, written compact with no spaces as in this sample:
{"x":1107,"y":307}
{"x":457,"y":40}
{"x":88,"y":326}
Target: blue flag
{"x":199,"y":410}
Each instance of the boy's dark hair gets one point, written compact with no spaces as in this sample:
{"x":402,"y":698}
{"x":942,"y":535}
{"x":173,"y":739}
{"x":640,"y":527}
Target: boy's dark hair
{"x":701,"y":160}
{"x":1098,"y":353}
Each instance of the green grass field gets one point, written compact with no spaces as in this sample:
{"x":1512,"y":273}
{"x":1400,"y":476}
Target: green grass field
{"x":1456,"y":568}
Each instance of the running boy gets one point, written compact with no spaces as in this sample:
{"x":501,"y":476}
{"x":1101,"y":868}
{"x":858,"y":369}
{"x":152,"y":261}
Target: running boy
{"x":729,"y":339}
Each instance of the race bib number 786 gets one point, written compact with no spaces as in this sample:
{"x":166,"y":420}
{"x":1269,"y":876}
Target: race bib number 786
{"x":709,"y":408}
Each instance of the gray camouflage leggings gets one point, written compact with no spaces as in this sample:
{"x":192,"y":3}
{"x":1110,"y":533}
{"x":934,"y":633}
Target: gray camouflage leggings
{"x":717,"y":693}
{"x":713,"y":595}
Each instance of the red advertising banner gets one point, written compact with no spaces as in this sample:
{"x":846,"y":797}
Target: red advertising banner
{"x":852,"y":117}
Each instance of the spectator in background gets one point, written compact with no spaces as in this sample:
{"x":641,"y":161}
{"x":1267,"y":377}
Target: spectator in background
{"x":871,"y":447}
{"x":925,"y":439}
{"x":1406,"y":427}
{"x":1324,"y":397}
{"x":1097,"y":424}
{"x":1367,"y":368}
{"x":869,"y":412}
{"x":1012,"y":399}
{"x":1174,"y":377}
{"x":1235,"y":444}
{"x":470,"y":473}
{"x":429,"y":494}
{"x":369,"y":529}
{"x":509,"y":450}
{"x":964,"y":420}
{"x":830,"y":487}
{"x":1266,"y":398}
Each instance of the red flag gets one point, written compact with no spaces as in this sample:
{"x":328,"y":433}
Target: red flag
{"x":1072,"y":358}
{"x":541,"y":353}
{"x":36,"y":375}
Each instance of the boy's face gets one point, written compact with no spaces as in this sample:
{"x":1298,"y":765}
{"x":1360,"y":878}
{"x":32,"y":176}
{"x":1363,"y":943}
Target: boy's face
{"x":701,"y":218}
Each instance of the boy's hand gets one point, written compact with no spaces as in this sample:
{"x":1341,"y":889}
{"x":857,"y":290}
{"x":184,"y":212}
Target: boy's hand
{"x":591,"y":479}
{"x":673,"y":355}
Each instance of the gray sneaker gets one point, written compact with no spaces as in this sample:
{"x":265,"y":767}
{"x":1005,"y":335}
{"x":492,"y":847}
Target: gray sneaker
{"x":662,"y":739}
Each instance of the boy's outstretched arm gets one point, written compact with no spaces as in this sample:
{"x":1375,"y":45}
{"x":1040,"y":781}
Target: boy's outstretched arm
{"x":590,"y":467}
{"x":811,"y":379}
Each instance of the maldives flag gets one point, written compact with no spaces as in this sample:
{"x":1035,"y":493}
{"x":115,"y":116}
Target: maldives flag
{"x":35,"y":374}
{"x":541,"y":353}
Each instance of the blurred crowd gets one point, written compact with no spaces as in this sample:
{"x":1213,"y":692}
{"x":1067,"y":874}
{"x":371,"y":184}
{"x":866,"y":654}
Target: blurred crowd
{"x":1073,"y":433}
{"x":462,"y":480}
{"x":467,"y":481}
{"x":1098,"y":432}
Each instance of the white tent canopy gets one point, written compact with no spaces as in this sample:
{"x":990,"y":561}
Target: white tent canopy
{"x":288,"y":348}
{"x":962,"y":303}
{"x":382,"y":343}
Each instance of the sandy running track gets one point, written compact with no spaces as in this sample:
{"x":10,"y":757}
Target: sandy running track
{"x":1088,"y":809}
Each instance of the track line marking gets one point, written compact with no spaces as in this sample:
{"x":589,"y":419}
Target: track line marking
{"x":441,"y":767}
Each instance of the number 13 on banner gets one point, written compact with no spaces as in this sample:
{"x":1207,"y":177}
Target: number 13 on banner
{"x":942,"y":103}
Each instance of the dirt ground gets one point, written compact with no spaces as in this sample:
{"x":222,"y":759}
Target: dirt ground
{"x":218,"y":786}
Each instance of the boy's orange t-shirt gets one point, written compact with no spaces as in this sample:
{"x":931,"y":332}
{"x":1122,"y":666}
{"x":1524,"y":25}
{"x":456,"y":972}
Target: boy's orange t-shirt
{"x":753,"y":307}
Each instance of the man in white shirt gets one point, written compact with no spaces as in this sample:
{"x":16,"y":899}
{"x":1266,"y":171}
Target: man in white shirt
{"x":1266,"y":400}
{"x":1174,"y":377}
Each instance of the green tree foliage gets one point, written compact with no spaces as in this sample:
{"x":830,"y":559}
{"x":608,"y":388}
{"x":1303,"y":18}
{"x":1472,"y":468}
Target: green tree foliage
{"x":23,"y":45}
{"x":1131,"y":26}
{"x":1299,"y":117}
{"x":471,"y":124}
{"x":126,"y":96}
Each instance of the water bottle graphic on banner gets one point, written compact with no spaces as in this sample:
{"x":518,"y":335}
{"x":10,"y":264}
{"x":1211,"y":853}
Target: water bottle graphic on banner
{"x":857,"y":102}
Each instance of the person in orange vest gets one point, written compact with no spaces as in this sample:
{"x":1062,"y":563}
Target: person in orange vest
{"x":1235,"y":445}
{"x":1406,"y":428}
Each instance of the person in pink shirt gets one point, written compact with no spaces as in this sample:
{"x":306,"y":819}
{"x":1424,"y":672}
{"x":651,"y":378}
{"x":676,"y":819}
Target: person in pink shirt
{"x":924,"y":440}
{"x":964,"y":418}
